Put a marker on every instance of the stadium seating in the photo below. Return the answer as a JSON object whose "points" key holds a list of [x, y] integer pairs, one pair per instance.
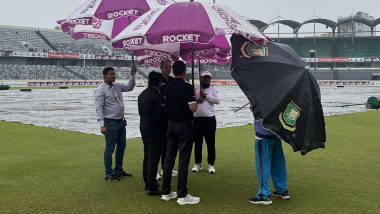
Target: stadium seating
{"points": [[94, 72], [346, 47], [358, 47], [33, 72], [53, 72], [322, 46], [342, 74], [20, 39], [27, 39], [44, 40]]}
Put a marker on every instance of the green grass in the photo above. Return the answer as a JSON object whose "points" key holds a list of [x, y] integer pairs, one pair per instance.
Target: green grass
{"points": [[49, 171]]}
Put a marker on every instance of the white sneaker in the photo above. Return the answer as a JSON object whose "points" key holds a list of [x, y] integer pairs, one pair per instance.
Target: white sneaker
{"points": [[158, 177], [169, 197], [197, 168], [211, 169], [188, 200], [174, 173]]}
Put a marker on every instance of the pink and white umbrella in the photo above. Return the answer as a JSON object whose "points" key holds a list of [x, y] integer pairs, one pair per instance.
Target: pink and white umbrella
{"points": [[102, 29], [187, 22], [219, 45], [214, 60], [106, 18], [155, 61]]}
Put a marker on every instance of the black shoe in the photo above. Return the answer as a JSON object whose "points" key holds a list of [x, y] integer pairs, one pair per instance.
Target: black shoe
{"points": [[283, 196], [112, 178], [260, 200], [156, 192], [123, 174], [146, 187]]}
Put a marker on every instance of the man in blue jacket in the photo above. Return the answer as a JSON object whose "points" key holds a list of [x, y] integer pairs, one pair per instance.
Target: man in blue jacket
{"points": [[270, 161]]}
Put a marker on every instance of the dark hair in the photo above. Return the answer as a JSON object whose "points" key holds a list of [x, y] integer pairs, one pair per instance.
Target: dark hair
{"points": [[154, 79], [179, 68], [106, 70], [163, 62]]}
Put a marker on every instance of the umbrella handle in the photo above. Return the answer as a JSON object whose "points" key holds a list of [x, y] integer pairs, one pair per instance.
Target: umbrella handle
{"points": [[133, 59], [199, 71], [241, 107], [133, 56], [192, 64]]}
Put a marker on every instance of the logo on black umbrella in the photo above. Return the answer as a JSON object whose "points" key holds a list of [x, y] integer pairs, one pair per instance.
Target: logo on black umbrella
{"points": [[289, 117], [249, 50]]}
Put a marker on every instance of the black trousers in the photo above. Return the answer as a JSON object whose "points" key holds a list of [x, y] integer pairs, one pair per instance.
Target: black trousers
{"points": [[205, 127], [180, 139], [152, 153], [164, 145]]}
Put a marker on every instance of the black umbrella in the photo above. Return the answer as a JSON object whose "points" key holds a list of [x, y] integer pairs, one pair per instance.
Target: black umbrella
{"points": [[282, 92]]}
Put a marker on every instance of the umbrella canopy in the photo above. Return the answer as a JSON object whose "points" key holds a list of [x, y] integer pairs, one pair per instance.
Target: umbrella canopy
{"points": [[101, 29], [217, 49], [187, 22], [215, 59], [87, 20], [282, 92]]}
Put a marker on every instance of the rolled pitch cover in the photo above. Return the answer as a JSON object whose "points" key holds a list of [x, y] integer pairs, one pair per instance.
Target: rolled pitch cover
{"points": [[4, 87], [26, 89], [373, 103]]}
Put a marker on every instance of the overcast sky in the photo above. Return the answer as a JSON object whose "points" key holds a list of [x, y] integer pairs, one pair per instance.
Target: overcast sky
{"points": [[44, 13]]}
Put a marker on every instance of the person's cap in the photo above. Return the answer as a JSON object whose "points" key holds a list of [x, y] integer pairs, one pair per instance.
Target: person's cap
{"points": [[206, 73]]}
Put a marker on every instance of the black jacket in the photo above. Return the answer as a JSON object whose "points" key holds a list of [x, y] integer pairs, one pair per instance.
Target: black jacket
{"points": [[151, 104]]}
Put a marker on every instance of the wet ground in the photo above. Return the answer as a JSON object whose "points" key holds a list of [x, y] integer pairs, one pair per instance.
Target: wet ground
{"points": [[74, 110]]}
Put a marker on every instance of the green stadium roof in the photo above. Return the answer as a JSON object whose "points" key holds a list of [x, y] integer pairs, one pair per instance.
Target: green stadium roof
{"points": [[329, 23], [259, 24], [326, 22]]}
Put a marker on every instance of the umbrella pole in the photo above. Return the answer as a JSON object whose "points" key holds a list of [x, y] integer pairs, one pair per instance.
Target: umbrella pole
{"points": [[192, 64], [133, 59], [133, 56], [199, 73], [242, 107]]}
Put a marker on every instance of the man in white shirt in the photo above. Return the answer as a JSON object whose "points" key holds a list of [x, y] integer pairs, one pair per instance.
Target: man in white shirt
{"points": [[205, 123]]}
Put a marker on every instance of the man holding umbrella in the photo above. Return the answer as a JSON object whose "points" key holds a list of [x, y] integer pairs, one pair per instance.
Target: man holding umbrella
{"points": [[110, 116], [270, 162], [205, 122], [286, 103]]}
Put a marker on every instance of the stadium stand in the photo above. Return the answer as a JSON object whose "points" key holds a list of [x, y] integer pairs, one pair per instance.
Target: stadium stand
{"points": [[302, 46], [94, 72], [358, 47], [21, 39], [33, 40], [33, 72], [64, 43], [52, 72], [343, 74], [26, 40]]}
